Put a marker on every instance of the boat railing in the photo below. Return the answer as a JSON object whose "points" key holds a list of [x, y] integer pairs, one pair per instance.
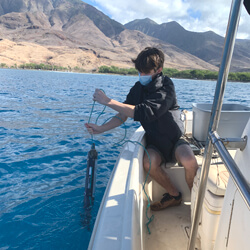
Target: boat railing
{"points": [[234, 171], [233, 23]]}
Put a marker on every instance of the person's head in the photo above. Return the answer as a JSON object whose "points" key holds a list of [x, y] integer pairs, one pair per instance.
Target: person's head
{"points": [[149, 60]]}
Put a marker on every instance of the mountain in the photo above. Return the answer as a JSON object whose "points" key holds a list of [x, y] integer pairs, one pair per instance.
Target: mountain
{"points": [[207, 46], [60, 12], [71, 33]]}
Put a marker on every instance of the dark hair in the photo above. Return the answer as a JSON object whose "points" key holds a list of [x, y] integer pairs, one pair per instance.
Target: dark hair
{"points": [[148, 59]]}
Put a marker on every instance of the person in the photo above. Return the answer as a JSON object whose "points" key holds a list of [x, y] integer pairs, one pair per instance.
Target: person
{"points": [[150, 101]]}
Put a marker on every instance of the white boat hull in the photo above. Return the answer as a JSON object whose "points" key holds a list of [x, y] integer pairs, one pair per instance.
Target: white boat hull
{"points": [[121, 221]]}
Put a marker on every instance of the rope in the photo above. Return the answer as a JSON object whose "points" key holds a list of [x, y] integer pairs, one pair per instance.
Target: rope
{"points": [[91, 112], [121, 143]]}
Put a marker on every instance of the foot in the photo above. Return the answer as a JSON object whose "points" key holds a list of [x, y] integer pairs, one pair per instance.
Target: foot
{"points": [[167, 201]]}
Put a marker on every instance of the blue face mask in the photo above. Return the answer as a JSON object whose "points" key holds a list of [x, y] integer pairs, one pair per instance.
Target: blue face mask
{"points": [[145, 80]]}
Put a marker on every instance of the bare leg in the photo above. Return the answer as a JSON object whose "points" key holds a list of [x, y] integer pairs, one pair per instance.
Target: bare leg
{"points": [[185, 156], [157, 173]]}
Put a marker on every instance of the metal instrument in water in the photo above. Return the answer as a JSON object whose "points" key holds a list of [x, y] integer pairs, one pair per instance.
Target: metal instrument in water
{"points": [[90, 180]]}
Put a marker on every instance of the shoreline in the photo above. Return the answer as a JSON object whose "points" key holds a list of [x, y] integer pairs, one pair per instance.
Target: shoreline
{"points": [[82, 71]]}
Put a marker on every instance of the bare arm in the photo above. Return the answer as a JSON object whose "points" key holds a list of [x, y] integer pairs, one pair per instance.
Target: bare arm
{"points": [[113, 123], [124, 109]]}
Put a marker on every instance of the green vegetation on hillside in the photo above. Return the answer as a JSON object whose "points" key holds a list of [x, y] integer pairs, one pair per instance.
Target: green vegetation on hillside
{"points": [[43, 67], [206, 75], [116, 70], [174, 73], [185, 74]]}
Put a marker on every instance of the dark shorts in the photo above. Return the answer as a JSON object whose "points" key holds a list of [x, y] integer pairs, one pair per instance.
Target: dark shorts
{"points": [[181, 141]]}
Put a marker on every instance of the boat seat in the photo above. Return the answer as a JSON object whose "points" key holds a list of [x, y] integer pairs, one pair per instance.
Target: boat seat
{"points": [[170, 165], [217, 179], [218, 174]]}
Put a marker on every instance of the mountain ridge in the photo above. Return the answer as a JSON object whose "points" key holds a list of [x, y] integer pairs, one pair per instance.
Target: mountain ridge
{"points": [[72, 33], [207, 45]]}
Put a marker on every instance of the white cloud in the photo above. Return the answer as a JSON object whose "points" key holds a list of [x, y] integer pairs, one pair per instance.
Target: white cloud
{"points": [[193, 15]]}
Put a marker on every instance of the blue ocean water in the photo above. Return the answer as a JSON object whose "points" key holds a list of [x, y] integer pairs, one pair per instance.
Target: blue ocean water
{"points": [[44, 146]]}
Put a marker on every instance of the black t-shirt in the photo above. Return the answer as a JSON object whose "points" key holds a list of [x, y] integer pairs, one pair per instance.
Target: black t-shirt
{"points": [[152, 104]]}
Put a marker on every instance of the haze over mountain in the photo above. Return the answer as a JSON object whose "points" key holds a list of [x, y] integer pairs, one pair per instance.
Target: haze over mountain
{"points": [[71, 33]]}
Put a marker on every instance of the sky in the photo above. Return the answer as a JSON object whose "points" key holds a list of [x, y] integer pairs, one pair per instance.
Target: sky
{"points": [[193, 15]]}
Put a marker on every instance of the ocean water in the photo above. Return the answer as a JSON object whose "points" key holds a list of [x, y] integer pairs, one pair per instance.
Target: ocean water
{"points": [[44, 146]]}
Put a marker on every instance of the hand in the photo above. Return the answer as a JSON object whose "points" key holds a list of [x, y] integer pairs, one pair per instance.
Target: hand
{"points": [[93, 128], [100, 97]]}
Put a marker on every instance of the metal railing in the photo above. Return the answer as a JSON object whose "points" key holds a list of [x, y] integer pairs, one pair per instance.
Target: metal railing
{"points": [[233, 23], [238, 179]]}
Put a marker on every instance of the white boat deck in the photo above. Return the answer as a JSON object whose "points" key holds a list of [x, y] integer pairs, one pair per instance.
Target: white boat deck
{"points": [[170, 228]]}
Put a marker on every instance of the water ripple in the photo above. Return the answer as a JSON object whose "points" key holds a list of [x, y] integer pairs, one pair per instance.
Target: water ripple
{"points": [[44, 147]]}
